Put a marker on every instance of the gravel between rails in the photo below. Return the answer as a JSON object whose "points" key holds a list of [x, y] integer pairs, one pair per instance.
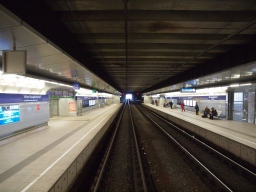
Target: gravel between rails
{"points": [[169, 171]]}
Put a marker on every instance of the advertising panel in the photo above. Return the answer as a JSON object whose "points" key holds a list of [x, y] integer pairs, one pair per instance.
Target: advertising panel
{"points": [[72, 107], [9, 114]]}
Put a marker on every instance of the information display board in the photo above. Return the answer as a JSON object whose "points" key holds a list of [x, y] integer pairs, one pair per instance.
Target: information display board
{"points": [[9, 114]]}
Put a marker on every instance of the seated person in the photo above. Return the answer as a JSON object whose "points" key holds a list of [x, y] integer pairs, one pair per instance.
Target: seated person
{"points": [[213, 112], [206, 111]]}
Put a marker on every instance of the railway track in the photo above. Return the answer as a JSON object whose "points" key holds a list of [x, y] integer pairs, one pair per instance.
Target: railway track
{"points": [[147, 153], [218, 171], [122, 168]]}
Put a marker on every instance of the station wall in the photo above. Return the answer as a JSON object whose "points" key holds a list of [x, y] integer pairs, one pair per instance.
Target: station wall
{"points": [[31, 114]]}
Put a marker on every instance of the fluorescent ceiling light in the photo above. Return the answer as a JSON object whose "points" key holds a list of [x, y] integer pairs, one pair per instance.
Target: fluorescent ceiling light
{"points": [[236, 76], [245, 84], [62, 84], [54, 83], [46, 81], [234, 85]]}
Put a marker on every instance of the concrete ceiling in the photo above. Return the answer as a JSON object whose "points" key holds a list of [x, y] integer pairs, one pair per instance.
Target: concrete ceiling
{"points": [[139, 46]]}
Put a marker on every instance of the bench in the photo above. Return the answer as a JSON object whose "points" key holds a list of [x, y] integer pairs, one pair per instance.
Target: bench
{"points": [[218, 114]]}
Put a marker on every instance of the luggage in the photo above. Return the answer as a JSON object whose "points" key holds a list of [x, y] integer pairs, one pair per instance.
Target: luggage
{"points": [[203, 116]]}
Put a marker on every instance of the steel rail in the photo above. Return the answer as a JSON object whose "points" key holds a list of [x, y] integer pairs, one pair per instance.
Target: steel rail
{"points": [[144, 184], [252, 174], [221, 184], [102, 171]]}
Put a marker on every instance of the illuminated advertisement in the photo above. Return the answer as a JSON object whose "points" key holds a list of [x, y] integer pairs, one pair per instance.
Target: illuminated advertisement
{"points": [[9, 114], [72, 107]]}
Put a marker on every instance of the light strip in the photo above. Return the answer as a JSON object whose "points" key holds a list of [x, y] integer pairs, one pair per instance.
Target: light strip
{"points": [[234, 85], [54, 83], [245, 84]]}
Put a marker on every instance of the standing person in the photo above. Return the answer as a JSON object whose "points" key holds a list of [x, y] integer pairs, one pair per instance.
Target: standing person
{"points": [[171, 104], [197, 109], [182, 106]]}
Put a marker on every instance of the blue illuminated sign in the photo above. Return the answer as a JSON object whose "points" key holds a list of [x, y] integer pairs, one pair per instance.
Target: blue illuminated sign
{"points": [[20, 98], [215, 97], [76, 86], [187, 90], [9, 114]]}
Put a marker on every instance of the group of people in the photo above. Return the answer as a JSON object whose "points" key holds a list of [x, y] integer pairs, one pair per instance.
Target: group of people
{"points": [[154, 102], [211, 112], [183, 109], [170, 104], [206, 112]]}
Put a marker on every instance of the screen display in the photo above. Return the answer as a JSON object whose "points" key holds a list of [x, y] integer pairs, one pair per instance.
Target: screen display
{"points": [[87, 103], [91, 102], [9, 114]]}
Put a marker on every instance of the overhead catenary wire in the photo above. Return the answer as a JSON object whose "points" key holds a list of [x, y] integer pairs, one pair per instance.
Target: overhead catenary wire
{"points": [[126, 42]]}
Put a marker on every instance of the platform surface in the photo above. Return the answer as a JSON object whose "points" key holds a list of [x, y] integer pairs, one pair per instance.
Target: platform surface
{"points": [[34, 160]]}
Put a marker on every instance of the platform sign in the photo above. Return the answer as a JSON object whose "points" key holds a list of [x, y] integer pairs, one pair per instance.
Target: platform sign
{"points": [[72, 107], [22, 98], [9, 114]]}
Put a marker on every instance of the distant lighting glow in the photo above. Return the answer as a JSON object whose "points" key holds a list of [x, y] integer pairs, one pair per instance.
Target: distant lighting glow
{"points": [[128, 96], [156, 95]]}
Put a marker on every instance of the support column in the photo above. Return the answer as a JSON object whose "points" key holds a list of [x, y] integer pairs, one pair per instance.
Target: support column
{"points": [[229, 104]]}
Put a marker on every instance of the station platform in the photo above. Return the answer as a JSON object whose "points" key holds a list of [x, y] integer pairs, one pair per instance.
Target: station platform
{"points": [[239, 138], [49, 158]]}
